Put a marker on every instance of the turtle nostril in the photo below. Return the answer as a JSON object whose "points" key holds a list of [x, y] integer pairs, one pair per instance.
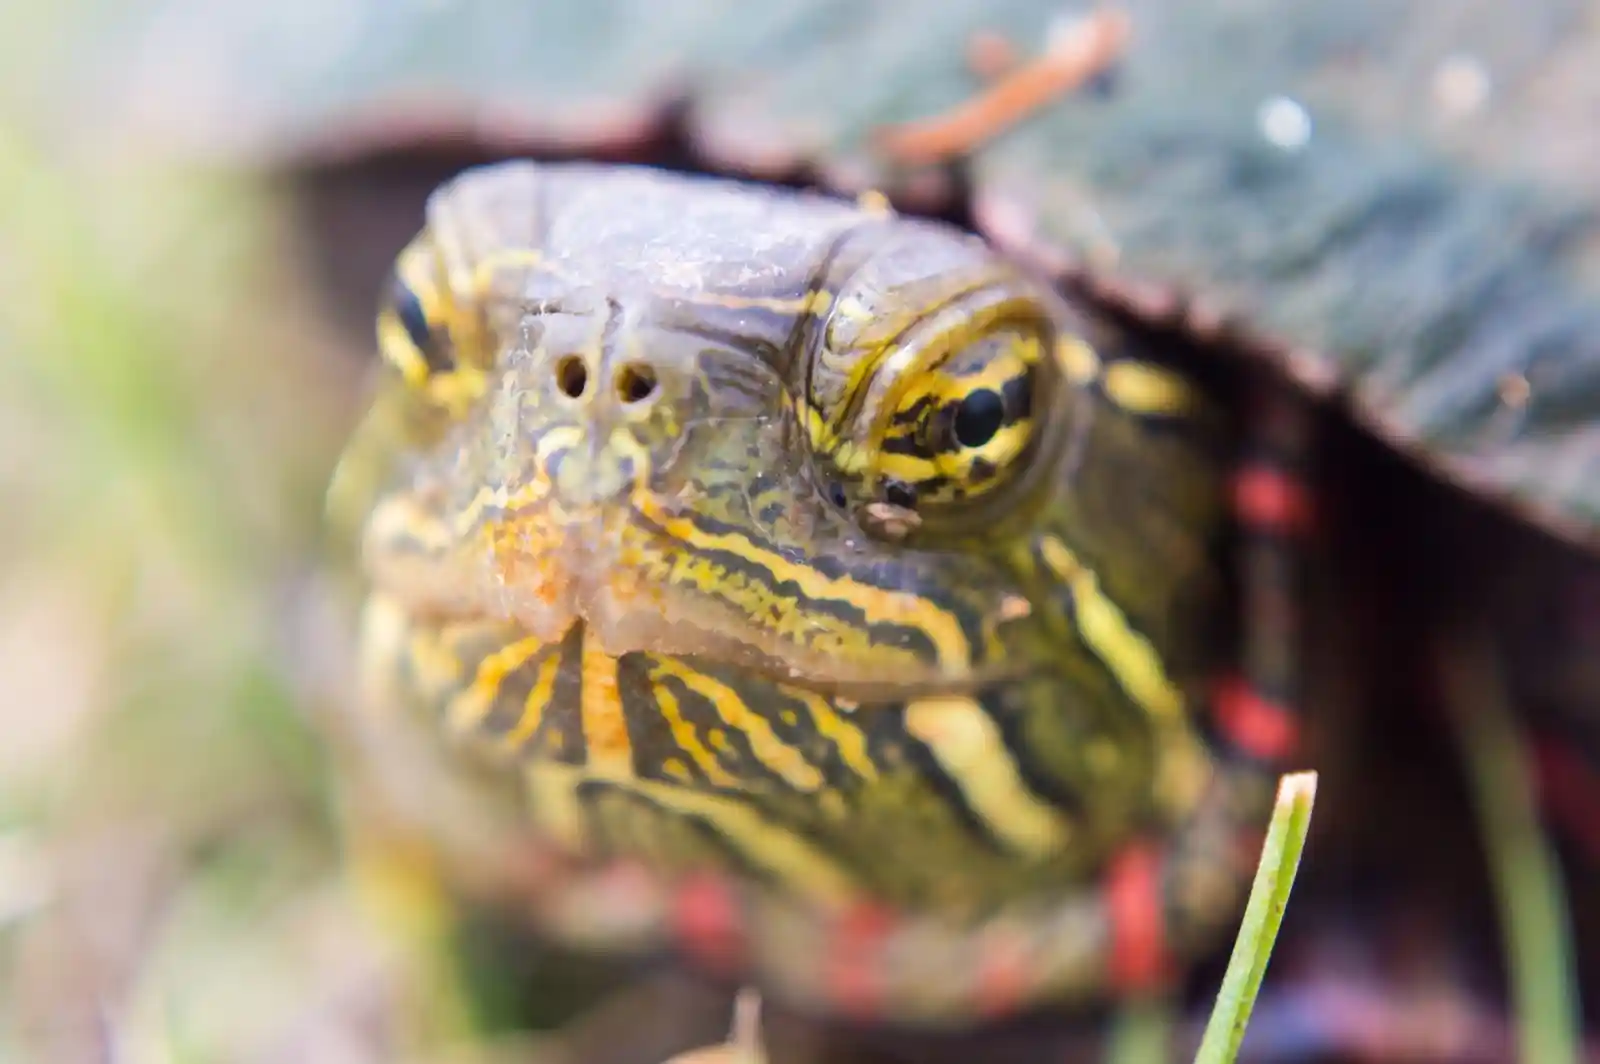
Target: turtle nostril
{"points": [[635, 381], [572, 376]]}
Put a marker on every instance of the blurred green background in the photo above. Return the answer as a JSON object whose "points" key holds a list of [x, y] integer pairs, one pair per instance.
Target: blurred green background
{"points": [[169, 414]]}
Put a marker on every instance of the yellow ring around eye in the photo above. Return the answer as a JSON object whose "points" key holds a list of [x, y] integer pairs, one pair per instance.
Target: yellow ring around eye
{"points": [[927, 453], [394, 343], [1003, 448], [415, 292]]}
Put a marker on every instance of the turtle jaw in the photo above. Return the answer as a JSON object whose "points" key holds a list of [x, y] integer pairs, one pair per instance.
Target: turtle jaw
{"points": [[652, 573], [675, 553]]}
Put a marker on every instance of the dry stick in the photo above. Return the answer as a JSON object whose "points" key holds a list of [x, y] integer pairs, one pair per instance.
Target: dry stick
{"points": [[1077, 56], [1527, 879]]}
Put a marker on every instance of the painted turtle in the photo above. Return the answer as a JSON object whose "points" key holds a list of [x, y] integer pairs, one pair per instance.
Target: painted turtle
{"points": [[1384, 207]]}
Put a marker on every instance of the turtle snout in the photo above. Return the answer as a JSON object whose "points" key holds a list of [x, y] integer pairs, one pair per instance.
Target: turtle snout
{"points": [[634, 385]]}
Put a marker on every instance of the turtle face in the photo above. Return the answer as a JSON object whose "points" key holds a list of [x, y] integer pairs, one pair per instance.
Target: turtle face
{"points": [[824, 532], [784, 483]]}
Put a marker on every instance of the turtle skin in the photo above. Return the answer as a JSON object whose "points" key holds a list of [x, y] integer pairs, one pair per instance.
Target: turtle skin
{"points": [[850, 606]]}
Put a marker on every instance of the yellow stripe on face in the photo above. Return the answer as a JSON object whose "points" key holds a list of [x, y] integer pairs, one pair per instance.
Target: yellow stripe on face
{"points": [[605, 729], [468, 709], [533, 706], [396, 345], [845, 736], [949, 384], [939, 625], [778, 756], [1137, 667], [1010, 441], [683, 734], [417, 270], [1078, 361], [458, 389], [784, 856], [1129, 655], [966, 742], [1145, 389]]}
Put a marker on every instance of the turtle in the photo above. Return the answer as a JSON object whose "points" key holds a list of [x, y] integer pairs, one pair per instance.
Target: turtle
{"points": [[1378, 217]]}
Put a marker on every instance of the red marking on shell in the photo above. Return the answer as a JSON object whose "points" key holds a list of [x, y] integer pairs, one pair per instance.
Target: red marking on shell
{"points": [[1260, 727], [1139, 961], [855, 958], [1270, 500], [707, 916]]}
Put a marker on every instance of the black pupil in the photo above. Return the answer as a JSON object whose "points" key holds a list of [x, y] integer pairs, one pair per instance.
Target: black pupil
{"points": [[979, 417]]}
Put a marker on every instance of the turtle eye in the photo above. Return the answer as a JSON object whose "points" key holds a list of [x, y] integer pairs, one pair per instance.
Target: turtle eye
{"points": [[963, 426], [412, 333]]}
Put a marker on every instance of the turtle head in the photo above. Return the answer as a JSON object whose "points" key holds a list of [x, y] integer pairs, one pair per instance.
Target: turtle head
{"points": [[829, 476]]}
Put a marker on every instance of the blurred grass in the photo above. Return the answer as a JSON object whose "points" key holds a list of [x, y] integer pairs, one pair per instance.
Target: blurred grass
{"points": [[1534, 910], [169, 885]]}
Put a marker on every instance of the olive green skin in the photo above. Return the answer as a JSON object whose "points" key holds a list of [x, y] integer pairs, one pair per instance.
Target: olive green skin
{"points": [[938, 720]]}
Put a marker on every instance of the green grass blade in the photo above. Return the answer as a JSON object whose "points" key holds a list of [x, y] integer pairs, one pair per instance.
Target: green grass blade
{"points": [[1527, 880], [1269, 896], [1143, 1032]]}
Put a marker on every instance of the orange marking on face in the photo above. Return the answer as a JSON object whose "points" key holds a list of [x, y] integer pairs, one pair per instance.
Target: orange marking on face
{"points": [[522, 554], [605, 731], [1260, 727]]}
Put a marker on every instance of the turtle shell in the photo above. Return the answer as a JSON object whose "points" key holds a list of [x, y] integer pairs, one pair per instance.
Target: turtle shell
{"points": [[1392, 199]]}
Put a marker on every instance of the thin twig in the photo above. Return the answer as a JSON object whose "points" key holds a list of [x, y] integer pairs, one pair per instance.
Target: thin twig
{"points": [[1076, 57]]}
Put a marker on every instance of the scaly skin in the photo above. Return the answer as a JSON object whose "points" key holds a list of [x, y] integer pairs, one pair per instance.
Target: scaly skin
{"points": [[828, 568]]}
